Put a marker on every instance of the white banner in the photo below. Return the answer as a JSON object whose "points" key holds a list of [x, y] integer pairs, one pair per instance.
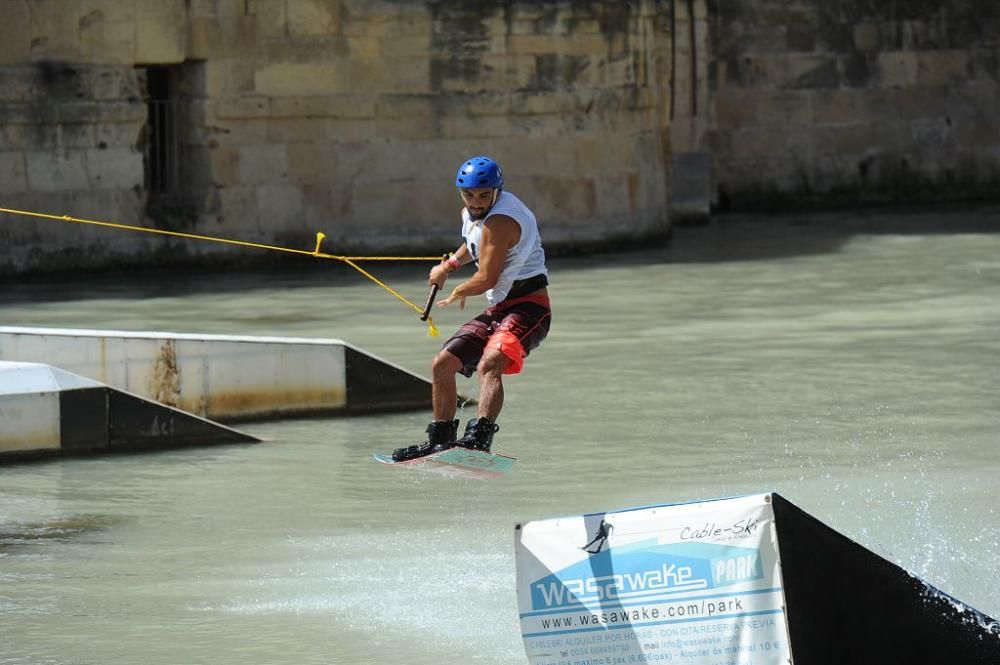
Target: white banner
{"points": [[696, 583]]}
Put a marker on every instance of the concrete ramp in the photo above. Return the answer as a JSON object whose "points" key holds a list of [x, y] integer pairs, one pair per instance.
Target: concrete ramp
{"points": [[224, 377], [846, 604], [46, 411], [751, 580]]}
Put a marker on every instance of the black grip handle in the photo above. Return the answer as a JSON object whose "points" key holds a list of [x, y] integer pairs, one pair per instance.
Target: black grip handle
{"points": [[430, 302], [430, 297]]}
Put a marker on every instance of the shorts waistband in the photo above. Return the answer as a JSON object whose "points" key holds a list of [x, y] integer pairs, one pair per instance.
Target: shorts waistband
{"points": [[537, 299]]}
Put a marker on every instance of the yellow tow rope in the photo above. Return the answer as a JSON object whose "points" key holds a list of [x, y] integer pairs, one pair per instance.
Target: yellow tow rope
{"points": [[349, 260]]}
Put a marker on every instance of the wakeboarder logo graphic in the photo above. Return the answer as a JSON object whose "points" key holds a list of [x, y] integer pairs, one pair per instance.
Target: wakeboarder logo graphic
{"points": [[600, 538], [647, 571]]}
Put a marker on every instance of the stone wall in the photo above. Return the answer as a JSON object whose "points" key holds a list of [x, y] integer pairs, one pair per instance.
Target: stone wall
{"points": [[350, 117], [854, 101], [343, 116]]}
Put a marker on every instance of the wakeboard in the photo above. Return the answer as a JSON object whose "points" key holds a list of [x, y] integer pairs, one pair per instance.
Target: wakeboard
{"points": [[457, 462]]}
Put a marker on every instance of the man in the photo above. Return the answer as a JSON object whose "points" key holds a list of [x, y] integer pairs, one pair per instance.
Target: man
{"points": [[501, 237]]}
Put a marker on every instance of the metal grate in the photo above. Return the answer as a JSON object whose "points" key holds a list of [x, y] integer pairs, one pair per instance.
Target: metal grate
{"points": [[161, 153]]}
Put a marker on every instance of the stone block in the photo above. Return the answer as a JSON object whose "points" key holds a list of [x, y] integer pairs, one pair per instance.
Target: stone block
{"points": [[907, 103], [223, 131], [805, 71], [229, 77], [72, 136], [241, 108], [571, 201], [617, 196], [867, 36], [113, 11], [57, 171], [394, 162], [836, 107], [224, 166], [984, 64], [324, 106], [312, 17], [327, 49], [311, 163], [483, 103], [15, 32], [18, 84], [533, 102], [15, 138], [756, 142], [477, 127], [735, 108], [574, 44], [407, 106], [13, 175], [106, 41], [371, 203], [237, 217], [414, 46], [284, 79], [933, 134], [898, 69], [410, 75], [199, 8], [280, 208], [942, 67], [114, 168], [55, 30], [785, 108], [561, 72], [110, 83], [856, 139], [265, 163], [407, 128], [271, 18], [382, 19], [160, 32], [222, 36], [292, 130], [464, 73]]}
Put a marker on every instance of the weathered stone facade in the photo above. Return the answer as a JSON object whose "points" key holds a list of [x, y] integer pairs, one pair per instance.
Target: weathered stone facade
{"points": [[854, 101], [287, 117], [342, 116]]}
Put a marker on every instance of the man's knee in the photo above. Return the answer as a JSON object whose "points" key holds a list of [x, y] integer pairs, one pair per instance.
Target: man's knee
{"points": [[493, 362], [446, 362]]}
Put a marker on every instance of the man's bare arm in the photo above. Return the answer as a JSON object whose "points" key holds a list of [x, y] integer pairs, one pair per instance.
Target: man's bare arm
{"points": [[500, 233]]}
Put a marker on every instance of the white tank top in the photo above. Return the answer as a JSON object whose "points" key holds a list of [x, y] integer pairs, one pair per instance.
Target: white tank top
{"points": [[525, 259]]}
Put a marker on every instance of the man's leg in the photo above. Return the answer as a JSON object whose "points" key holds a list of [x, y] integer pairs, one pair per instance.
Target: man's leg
{"points": [[479, 431], [490, 370], [444, 391]]}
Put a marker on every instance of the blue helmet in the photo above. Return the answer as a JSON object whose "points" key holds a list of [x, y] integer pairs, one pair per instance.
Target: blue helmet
{"points": [[479, 172]]}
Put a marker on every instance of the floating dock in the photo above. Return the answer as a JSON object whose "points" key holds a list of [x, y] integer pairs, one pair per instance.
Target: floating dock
{"points": [[46, 411], [227, 378]]}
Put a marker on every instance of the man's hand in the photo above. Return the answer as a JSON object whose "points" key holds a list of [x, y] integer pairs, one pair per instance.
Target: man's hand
{"points": [[439, 275], [452, 298]]}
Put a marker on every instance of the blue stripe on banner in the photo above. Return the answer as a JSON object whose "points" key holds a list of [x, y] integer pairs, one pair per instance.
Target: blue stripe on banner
{"points": [[645, 601], [651, 623]]}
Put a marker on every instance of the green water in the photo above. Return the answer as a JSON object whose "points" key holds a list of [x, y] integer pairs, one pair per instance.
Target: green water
{"points": [[849, 362]]}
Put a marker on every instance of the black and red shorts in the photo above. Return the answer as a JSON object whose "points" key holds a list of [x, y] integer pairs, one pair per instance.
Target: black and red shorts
{"points": [[514, 327]]}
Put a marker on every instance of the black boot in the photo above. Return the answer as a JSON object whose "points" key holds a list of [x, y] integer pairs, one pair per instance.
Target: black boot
{"points": [[441, 435], [478, 434]]}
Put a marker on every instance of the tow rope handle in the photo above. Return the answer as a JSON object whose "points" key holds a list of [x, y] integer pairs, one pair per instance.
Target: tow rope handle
{"points": [[430, 297]]}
